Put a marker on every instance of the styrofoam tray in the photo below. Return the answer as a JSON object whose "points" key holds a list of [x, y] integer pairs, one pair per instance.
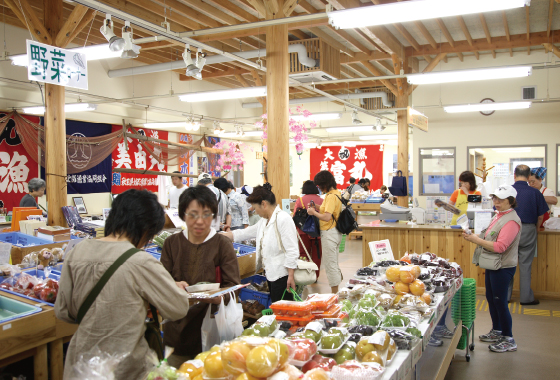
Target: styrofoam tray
{"points": [[333, 350]]}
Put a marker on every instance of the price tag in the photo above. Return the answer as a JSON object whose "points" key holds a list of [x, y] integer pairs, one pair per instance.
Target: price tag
{"points": [[377, 339], [173, 215], [314, 326], [267, 320], [5, 252], [381, 250]]}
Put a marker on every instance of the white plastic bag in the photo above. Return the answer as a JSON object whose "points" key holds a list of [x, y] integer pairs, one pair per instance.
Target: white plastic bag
{"points": [[552, 224], [209, 331], [229, 319]]}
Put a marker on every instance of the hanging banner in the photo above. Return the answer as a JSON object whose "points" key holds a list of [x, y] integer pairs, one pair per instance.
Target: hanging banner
{"points": [[133, 156], [213, 158], [51, 64], [186, 163], [96, 179], [16, 166], [362, 161]]}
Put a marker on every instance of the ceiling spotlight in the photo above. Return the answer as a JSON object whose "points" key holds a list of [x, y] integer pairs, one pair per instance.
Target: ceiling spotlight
{"points": [[130, 50], [217, 129], [379, 127], [192, 69], [192, 125], [200, 59], [355, 119], [241, 133], [319, 142], [115, 43]]}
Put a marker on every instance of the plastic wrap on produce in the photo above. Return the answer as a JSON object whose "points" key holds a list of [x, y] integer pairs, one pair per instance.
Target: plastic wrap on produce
{"points": [[96, 365], [353, 370]]}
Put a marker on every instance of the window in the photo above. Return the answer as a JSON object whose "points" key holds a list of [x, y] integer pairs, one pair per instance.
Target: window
{"points": [[437, 171], [500, 162]]}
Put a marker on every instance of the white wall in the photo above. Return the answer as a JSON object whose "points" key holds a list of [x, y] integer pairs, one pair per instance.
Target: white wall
{"points": [[538, 125]]}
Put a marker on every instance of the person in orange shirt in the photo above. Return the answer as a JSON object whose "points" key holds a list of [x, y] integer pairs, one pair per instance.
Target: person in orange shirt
{"points": [[459, 198]]}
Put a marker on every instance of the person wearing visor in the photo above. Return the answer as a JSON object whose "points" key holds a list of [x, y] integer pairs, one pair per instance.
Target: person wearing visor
{"points": [[500, 238], [536, 181]]}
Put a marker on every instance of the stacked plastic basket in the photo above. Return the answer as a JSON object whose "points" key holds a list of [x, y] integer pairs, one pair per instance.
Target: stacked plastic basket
{"points": [[463, 308]]}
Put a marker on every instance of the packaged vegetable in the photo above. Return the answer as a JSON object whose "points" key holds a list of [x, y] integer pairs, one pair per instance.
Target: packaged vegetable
{"points": [[292, 308], [322, 302], [353, 370]]}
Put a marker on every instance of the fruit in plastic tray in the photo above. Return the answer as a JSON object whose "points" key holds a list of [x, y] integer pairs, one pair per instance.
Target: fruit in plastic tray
{"points": [[380, 340], [386, 300], [285, 325], [405, 259], [192, 368], [331, 341], [363, 348], [366, 271], [346, 352], [395, 320], [262, 361], [393, 273], [213, 366], [322, 302], [409, 274], [392, 349], [386, 263], [373, 357], [417, 288], [401, 288], [355, 338], [202, 356], [319, 361], [292, 372], [292, 308], [338, 331], [346, 305], [353, 370], [316, 374], [361, 329], [303, 349], [414, 331], [234, 356], [365, 303], [367, 317], [426, 297]]}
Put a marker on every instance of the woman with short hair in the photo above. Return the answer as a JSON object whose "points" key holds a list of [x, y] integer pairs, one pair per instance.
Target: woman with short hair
{"points": [[328, 213], [36, 188], [500, 238], [277, 245], [536, 181], [196, 255], [309, 192], [115, 321], [459, 198]]}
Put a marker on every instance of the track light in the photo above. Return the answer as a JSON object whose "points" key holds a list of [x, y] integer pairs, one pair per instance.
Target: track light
{"points": [[200, 59], [130, 50], [355, 119], [192, 69], [217, 129], [379, 127], [115, 43], [192, 125], [319, 143]]}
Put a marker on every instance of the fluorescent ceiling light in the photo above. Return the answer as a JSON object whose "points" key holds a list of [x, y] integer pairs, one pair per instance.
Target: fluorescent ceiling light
{"points": [[171, 124], [361, 128], [247, 92], [469, 75], [415, 10], [245, 134], [512, 150], [378, 137], [71, 107], [318, 116], [487, 107], [93, 53]]}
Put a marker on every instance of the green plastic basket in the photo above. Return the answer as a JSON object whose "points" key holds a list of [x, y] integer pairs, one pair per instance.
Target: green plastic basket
{"points": [[267, 312]]}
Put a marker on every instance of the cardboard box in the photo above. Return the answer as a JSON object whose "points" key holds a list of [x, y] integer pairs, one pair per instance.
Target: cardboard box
{"points": [[18, 253], [247, 264], [405, 370], [29, 227], [416, 353]]}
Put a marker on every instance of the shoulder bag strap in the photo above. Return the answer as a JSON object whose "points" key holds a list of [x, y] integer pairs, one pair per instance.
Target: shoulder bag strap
{"points": [[278, 238], [301, 201], [304, 248], [102, 281]]}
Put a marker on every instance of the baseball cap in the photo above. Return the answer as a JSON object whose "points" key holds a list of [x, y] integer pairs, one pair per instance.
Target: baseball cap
{"points": [[204, 176], [505, 191]]}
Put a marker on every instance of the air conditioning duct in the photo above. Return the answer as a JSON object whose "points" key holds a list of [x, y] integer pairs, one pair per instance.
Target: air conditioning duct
{"points": [[364, 95]]}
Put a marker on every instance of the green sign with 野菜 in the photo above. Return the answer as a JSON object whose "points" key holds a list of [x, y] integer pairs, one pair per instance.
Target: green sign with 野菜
{"points": [[50, 64]]}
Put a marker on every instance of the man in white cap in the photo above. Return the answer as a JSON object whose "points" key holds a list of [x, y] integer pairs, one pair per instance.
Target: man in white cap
{"points": [[222, 221]]}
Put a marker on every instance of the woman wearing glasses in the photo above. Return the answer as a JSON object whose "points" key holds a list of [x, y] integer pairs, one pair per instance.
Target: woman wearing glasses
{"points": [[193, 256]]}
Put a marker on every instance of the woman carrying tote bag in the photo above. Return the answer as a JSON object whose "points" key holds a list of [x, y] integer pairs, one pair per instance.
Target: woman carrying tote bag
{"points": [[497, 253]]}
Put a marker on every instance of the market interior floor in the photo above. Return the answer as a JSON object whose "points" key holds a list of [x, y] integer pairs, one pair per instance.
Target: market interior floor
{"points": [[536, 330]]}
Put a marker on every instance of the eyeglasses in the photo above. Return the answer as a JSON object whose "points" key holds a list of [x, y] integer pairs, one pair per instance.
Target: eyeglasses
{"points": [[195, 217]]}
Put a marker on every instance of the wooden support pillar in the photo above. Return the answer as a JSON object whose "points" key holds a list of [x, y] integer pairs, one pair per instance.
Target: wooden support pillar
{"points": [[277, 64], [55, 127], [402, 158]]}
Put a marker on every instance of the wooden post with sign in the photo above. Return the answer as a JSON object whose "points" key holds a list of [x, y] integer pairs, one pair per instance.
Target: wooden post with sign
{"points": [[416, 119], [402, 150]]}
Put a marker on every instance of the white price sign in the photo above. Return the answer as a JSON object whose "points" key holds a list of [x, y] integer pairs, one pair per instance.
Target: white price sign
{"points": [[50, 64], [381, 250]]}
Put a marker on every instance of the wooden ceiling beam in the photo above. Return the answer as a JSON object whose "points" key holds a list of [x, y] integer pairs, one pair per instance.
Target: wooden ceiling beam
{"points": [[397, 70], [299, 34], [407, 36], [289, 7], [506, 27], [84, 23], [528, 28], [29, 18], [550, 11], [426, 33], [307, 7], [233, 9], [448, 37], [63, 37], [554, 49], [486, 32], [344, 34], [331, 41], [482, 44], [432, 65], [259, 7], [377, 72], [467, 34]]}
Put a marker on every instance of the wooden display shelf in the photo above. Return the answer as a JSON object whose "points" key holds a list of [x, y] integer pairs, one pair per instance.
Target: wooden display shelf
{"points": [[33, 336]]}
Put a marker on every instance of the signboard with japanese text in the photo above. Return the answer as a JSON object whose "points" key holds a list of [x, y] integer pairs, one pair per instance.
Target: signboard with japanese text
{"points": [[16, 166], [50, 64], [362, 161], [133, 156], [416, 119], [186, 164], [96, 179]]}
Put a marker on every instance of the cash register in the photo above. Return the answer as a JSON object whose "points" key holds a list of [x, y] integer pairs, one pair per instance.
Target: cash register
{"points": [[391, 212], [477, 204]]}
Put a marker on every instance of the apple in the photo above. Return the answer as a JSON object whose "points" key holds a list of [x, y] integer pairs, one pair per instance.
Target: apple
{"points": [[331, 341], [309, 366]]}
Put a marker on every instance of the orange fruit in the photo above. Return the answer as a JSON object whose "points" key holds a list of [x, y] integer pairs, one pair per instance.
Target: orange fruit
{"points": [[213, 365], [262, 361], [192, 368], [234, 357]]}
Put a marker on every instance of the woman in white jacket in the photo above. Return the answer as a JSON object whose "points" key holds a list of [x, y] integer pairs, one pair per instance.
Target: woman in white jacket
{"points": [[277, 244]]}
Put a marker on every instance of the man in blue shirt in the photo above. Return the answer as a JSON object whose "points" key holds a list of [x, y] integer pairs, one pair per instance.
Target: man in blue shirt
{"points": [[531, 208]]}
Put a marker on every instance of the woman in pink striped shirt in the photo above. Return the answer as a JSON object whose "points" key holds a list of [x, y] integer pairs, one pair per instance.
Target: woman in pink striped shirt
{"points": [[500, 238]]}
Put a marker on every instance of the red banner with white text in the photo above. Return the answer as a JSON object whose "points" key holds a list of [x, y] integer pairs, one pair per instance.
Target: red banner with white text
{"points": [[134, 156], [362, 161]]}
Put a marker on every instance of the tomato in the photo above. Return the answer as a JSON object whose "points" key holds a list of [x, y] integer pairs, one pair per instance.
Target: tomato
{"points": [[49, 294]]}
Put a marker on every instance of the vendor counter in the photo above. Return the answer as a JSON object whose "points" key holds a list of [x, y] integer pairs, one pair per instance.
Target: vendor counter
{"points": [[449, 243]]}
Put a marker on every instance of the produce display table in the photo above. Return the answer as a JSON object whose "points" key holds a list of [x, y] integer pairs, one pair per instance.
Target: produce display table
{"points": [[366, 207], [34, 335], [449, 243]]}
